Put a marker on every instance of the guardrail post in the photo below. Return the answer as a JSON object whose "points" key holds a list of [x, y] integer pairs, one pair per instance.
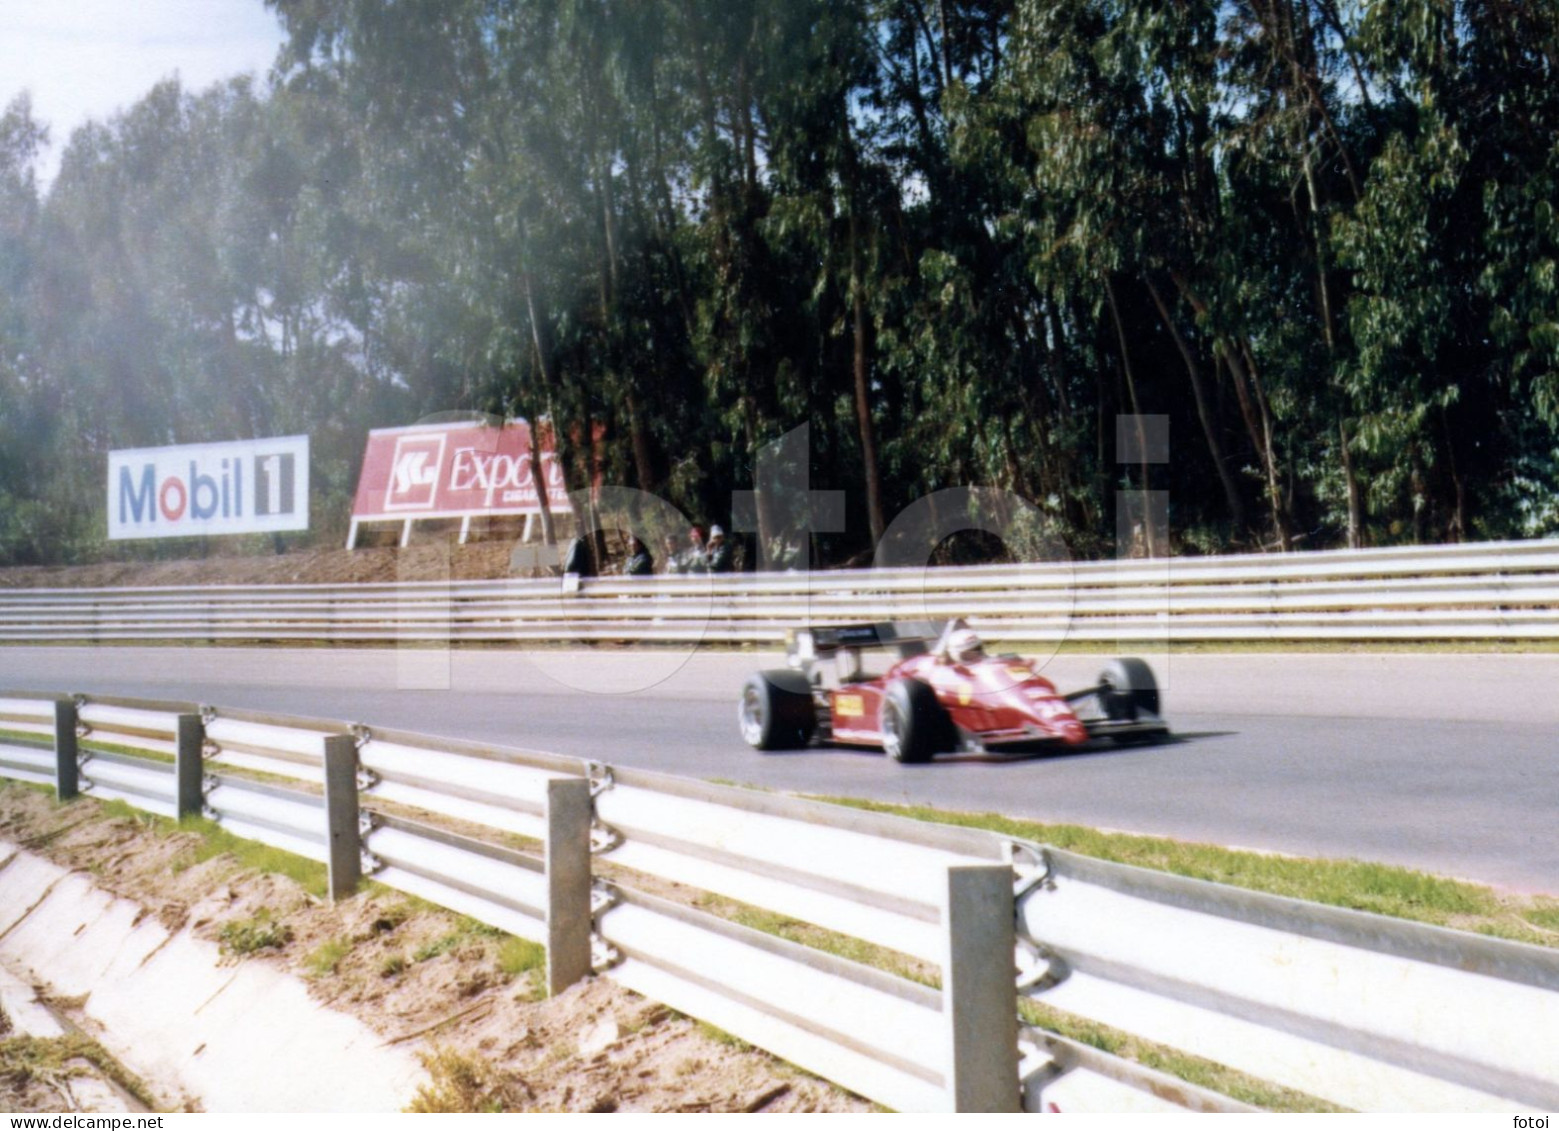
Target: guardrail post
{"points": [[341, 815], [568, 882], [67, 767], [189, 768], [978, 989]]}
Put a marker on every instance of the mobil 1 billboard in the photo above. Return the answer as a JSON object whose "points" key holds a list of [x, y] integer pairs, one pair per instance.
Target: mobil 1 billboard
{"points": [[244, 487]]}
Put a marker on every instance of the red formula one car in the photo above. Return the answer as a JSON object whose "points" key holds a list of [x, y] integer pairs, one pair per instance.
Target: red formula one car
{"points": [[942, 693]]}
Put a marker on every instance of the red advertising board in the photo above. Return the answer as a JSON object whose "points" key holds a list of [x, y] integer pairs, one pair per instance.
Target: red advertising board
{"points": [[455, 471]]}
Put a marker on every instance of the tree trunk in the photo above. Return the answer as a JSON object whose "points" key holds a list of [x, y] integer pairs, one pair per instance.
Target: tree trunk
{"points": [[1355, 496], [1204, 414], [1136, 409], [549, 534], [1253, 411], [863, 407]]}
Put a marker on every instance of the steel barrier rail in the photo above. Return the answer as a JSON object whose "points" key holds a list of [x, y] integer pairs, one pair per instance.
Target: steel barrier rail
{"points": [[879, 1036], [1508, 589], [281, 745], [24, 715], [503, 790], [1371, 1013], [149, 726], [1356, 1009], [494, 885], [794, 857], [1061, 1075], [282, 818], [1267, 597], [33, 764], [1480, 558], [137, 781]]}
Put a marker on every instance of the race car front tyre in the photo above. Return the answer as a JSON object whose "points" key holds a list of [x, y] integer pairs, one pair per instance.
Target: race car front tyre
{"points": [[776, 712], [1130, 689], [914, 726]]}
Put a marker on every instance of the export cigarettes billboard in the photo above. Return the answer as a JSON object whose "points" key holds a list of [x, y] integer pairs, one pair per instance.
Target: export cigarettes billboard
{"points": [[243, 487], [463, 471]]}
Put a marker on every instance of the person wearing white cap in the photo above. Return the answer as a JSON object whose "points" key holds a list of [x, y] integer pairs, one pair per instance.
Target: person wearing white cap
{"points": [[719, 553]]}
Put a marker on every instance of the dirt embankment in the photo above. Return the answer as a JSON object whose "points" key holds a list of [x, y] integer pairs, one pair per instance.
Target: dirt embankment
{"points": [[466, 998], [427, 562]]}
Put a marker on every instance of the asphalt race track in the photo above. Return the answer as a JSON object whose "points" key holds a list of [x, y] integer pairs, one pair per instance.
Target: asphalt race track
{"points": [[1441, 762]]}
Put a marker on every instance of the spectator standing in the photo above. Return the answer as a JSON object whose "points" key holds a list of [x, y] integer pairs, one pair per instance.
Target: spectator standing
{"points": [[719, 557], [672, 554], [639, 563], [697, 560]]}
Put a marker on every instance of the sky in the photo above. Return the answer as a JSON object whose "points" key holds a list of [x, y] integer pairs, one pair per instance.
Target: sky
{"points": [[84, 60]]}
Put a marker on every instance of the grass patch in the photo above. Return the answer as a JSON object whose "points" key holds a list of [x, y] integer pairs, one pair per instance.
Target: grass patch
{"points": [[467, 932], [462, 1083], [1282, 647], [1193, 1069], [96, 746], [48, 1061], [442, 945], [1544, 916], [818, 938], [393, 966], [324, 959], [216, 841], [720, 1037], [22, 738], [1382, 889], [211, 840], [517, 956], [261, 931]]}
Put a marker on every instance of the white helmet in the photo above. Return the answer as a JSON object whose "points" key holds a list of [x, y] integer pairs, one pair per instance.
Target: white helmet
{"points": [[965, 646]]}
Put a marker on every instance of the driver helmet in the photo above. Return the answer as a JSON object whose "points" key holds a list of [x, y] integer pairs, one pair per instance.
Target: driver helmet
{"points": [[965, 646]]}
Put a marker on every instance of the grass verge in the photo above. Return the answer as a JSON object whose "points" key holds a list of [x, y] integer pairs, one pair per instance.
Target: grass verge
{"points": [[1383, 889]]}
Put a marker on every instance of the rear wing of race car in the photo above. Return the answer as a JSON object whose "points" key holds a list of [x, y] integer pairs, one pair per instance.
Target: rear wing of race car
{"points": [[907, 638]]}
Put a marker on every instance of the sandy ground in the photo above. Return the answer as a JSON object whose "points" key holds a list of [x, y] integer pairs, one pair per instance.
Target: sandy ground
{"points": [[429, 561], [420, 977]]}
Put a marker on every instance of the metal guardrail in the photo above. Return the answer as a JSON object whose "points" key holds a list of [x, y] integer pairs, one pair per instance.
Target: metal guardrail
{"points": [[1354, 1009], [1493, 590]]}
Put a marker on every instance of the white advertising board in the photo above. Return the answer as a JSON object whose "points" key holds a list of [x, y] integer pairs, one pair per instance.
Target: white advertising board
{"points": [[243, 487]]}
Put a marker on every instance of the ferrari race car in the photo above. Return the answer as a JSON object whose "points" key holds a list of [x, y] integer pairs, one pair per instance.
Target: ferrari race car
{"points": [[940, 693]]}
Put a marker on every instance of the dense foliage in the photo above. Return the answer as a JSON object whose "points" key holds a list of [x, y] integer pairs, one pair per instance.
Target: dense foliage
{"points": [[956, 237]]}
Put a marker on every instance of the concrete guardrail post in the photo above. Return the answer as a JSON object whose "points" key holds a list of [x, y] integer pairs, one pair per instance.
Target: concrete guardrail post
{"points": [[189, 769], [341, 816], [67, 765], [979, 978], [569, 812]]}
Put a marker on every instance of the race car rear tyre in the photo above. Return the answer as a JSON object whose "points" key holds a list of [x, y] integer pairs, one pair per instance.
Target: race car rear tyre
{"points": [[1130, 689], [775, 711], [914, 726]]}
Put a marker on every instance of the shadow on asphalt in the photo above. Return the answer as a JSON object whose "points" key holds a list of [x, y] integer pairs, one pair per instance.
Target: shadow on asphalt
{"points": [[1030, 754], [1092, 749]]}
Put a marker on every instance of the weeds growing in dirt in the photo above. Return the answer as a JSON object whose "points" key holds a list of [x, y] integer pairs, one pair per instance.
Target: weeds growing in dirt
{"points": [[518, 956], [326, 957], [51, 1062], [261, 931], [462, 1083]]}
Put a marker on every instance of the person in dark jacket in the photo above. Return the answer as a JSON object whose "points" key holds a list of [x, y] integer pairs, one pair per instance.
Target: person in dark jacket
{"points": [[718, 557], [578, 560], [639, 563]]}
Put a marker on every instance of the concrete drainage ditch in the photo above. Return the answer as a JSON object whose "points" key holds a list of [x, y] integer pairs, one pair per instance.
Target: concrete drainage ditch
{"points": [[215, 1037]]}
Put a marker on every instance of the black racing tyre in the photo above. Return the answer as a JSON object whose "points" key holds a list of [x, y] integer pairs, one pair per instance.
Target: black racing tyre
{"points": [[775, 711], [914, 725], [1130, 689]]}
